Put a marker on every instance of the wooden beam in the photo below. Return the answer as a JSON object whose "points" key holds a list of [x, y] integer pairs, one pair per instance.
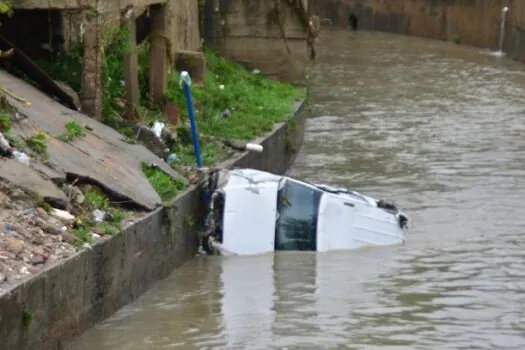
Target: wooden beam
{"points": [[131, 64], [158, 59]]}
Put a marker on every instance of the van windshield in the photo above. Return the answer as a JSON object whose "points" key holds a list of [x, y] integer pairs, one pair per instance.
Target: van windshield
{"points": [[297, 210]]}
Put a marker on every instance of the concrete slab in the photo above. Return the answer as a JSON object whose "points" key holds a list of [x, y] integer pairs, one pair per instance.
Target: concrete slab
{"points": [[101, 157], [23, 176]]}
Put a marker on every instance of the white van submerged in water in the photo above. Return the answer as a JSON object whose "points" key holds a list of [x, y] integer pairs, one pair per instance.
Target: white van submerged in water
{"points": [[255, 212]]}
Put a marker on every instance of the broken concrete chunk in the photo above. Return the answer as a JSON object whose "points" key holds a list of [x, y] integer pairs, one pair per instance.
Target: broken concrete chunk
{"points": [[75, 194], [20, 175], [47, 227]]}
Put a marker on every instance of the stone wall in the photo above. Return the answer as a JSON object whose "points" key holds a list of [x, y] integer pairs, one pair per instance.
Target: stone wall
{"points": [[185, 25], [242, 32], [53, 308], [470, 22]]}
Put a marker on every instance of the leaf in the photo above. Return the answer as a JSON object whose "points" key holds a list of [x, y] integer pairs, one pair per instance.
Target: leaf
{"points": [[5, 8]]}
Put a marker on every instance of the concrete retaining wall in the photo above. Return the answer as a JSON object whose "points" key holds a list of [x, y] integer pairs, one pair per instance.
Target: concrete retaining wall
{"points": [[56, 306], [470, 22], [244, 31]]}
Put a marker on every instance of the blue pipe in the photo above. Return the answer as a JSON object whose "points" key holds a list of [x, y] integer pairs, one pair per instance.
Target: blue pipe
{"points": [[194, 133]]}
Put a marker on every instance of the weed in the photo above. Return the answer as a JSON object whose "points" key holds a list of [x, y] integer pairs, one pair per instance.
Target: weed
{"points": [[14, 140], [27, 318], [82, 232], [456, 39], [210, 153], [190, 222], [6, 122], [38, 144], [66, 68], [73, 131], [164, 184], [291, 129], [95, 200], [40, 202], [116, 215], [108, 229]]}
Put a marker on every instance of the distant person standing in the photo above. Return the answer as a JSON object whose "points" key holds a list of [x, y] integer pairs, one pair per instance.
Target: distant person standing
{"points": [[353, 21]]}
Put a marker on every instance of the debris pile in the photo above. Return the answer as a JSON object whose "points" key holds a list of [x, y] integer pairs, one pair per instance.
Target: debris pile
{"points": [[30, 238], [34, 235]]}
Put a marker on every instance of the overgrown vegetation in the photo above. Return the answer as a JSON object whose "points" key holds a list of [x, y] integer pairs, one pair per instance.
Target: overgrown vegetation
{"points": [[27, 318], [255, 103], [234, 103], [5, 121], [164, 184], [96, 200]]}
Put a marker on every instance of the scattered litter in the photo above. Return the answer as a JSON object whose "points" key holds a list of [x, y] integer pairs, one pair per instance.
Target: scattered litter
{"points": [[221, 87], [4, 145], [254, 147], [22, 157], [99, 215], [95, 236], [226, 113], [256, 71], [172, 159], [10, 228], [156, 128], [62, 214], [86, 246]]}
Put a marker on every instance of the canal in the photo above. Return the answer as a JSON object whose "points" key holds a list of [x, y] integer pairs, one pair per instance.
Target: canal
{"points": [[437, 127]]}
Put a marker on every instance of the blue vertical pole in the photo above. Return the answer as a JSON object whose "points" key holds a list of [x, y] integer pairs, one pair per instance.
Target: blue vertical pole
{"points": [[186, 81]]}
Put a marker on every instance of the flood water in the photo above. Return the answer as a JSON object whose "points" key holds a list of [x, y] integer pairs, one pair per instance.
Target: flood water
{"points": [[437, 127]]}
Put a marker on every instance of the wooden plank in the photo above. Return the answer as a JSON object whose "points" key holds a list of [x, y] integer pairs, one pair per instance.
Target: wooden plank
{"points": [[158, 59]]}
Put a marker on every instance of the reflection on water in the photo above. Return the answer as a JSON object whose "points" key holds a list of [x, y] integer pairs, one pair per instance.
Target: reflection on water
{"points": [[438, 128]]}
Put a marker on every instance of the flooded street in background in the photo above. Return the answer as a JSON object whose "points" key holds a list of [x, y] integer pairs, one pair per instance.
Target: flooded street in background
{"points": [[438, 128]]}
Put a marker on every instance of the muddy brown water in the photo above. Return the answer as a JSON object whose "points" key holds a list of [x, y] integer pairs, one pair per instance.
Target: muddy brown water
{"points": [[437, 127]]}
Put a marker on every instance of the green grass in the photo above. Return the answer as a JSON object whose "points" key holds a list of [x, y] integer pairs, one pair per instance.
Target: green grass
{"points": [[82, 233], [6, 122], [38, 144], [95, 199], [73, 131], [164, 184], [255, 102]]}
